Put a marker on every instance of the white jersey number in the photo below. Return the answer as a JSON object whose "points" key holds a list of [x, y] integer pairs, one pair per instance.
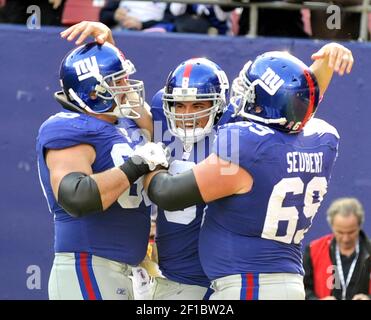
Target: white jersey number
{"points": [[133, 196], [276, 212], [187, 215], [256, 128]]}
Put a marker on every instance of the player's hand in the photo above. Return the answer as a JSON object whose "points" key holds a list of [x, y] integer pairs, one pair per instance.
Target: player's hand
{"points": [[153, 154], [55, 3], [360, 296], [132, 23], [84, 29], [328, 298], [120, 14], [340, 59]]}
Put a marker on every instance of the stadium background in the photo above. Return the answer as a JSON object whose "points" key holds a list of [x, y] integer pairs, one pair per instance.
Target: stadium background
{"points": [[29, 61]]}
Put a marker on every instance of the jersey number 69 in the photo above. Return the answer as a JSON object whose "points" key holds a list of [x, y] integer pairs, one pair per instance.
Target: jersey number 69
{"points": [[313, 196]]}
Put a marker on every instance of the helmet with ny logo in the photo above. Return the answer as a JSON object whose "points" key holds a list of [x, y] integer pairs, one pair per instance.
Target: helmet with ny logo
{"points": [[276, 89], [95, 78], [194, 80]]}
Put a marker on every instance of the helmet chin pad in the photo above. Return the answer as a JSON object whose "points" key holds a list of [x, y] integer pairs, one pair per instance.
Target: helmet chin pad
{"points": [[191, 136]]}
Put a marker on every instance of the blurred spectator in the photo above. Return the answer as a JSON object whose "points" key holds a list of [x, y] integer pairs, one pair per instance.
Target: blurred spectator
{"points": [[15, 11], [200, 18], [274, 23], [346, 252], [135, 15], [349, 22]]}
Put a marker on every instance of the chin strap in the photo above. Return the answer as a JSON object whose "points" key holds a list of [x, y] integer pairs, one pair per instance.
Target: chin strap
{"points": [[280, 121], [126, 112], [62, 99]]}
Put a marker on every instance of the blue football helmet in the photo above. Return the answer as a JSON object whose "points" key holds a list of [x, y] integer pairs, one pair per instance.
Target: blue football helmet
{"points": [[95, 78], [276, 89], [197, 79]]}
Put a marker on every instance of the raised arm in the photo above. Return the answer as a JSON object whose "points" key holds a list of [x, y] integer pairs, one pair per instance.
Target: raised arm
{"points": [[331, 57], [99, 31]]}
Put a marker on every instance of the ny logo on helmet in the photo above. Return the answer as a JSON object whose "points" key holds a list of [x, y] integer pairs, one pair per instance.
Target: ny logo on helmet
{"points": [[270, 81], [87, 68]]}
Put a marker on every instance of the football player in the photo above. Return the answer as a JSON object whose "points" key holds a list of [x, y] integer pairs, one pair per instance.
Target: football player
{"points": [[186, 113], [89, 170], [265, 178]]}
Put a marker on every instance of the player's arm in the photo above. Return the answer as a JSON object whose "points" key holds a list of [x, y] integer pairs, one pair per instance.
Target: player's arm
{"points": [[74, 185], [99, 31], [211, 179], [331, 57], [80, 192], [145, 121]]}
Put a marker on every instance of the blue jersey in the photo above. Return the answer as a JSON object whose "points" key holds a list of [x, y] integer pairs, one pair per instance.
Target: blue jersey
{"points": [[177, 231], [120, 233], [261, 231]]}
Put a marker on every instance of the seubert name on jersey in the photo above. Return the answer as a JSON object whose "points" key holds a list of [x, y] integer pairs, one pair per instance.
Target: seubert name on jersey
{"points": [[304, 162]]}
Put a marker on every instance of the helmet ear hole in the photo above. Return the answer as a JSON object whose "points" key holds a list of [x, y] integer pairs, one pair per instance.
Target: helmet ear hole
{"points": [[93, 95], [258, 109]]}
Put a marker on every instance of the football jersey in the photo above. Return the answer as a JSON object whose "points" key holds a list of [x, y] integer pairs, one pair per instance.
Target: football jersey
{"points": [[177, 231], [120, 233], [261, 231]]}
